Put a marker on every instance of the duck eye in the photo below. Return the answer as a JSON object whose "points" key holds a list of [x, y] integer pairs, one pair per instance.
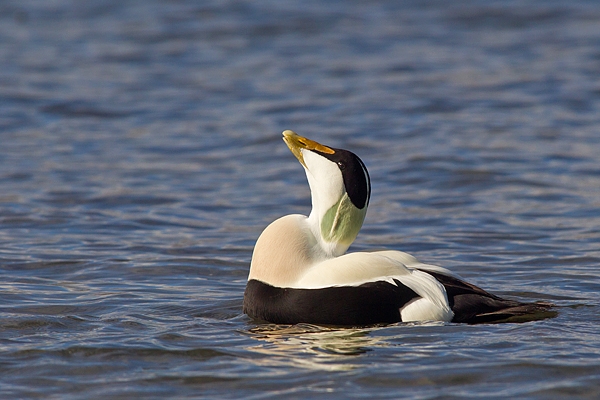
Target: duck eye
{"points": [[342, 165]]}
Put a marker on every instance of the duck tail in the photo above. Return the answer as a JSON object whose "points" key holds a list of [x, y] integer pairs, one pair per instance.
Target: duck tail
{"points": [[473, 305]]}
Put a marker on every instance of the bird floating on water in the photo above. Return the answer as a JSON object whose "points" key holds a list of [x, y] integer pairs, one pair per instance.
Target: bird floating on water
{"points": [[300, 271]]}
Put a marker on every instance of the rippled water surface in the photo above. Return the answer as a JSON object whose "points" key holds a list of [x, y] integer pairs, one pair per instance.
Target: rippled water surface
{"points": [[141, 157]]}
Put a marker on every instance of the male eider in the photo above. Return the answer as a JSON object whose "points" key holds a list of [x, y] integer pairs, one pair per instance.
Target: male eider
{"points": [[299, 272]]}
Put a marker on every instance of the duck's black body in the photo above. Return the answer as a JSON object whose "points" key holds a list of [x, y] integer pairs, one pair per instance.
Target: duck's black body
{"points": [[367, 304], [378, 302], [301, 273]]}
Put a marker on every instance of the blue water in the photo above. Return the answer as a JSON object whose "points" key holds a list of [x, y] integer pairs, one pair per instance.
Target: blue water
{"points": [[141, 157]]}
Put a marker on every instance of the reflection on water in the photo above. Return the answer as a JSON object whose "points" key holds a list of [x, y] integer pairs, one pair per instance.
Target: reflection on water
{"points": [[311, 346], [322, 348]]}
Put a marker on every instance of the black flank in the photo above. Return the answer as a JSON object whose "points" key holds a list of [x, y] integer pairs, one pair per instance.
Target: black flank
{"points": [[367, 304]]}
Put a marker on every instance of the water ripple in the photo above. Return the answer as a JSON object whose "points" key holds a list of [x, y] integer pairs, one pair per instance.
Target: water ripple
{"points": [[141, 158]]}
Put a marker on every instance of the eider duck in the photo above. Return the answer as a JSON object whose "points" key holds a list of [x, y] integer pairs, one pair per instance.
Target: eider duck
{"points": [[300, 273]]}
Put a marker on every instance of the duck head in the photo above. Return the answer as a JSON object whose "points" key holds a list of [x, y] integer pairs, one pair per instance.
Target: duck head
{"points": [[340, 190]]}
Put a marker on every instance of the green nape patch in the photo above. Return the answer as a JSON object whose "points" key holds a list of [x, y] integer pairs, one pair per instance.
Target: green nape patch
{"points": [[342, 222]]}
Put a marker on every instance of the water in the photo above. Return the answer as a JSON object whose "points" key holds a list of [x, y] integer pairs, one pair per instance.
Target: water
{"points": [[141, 157]]}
